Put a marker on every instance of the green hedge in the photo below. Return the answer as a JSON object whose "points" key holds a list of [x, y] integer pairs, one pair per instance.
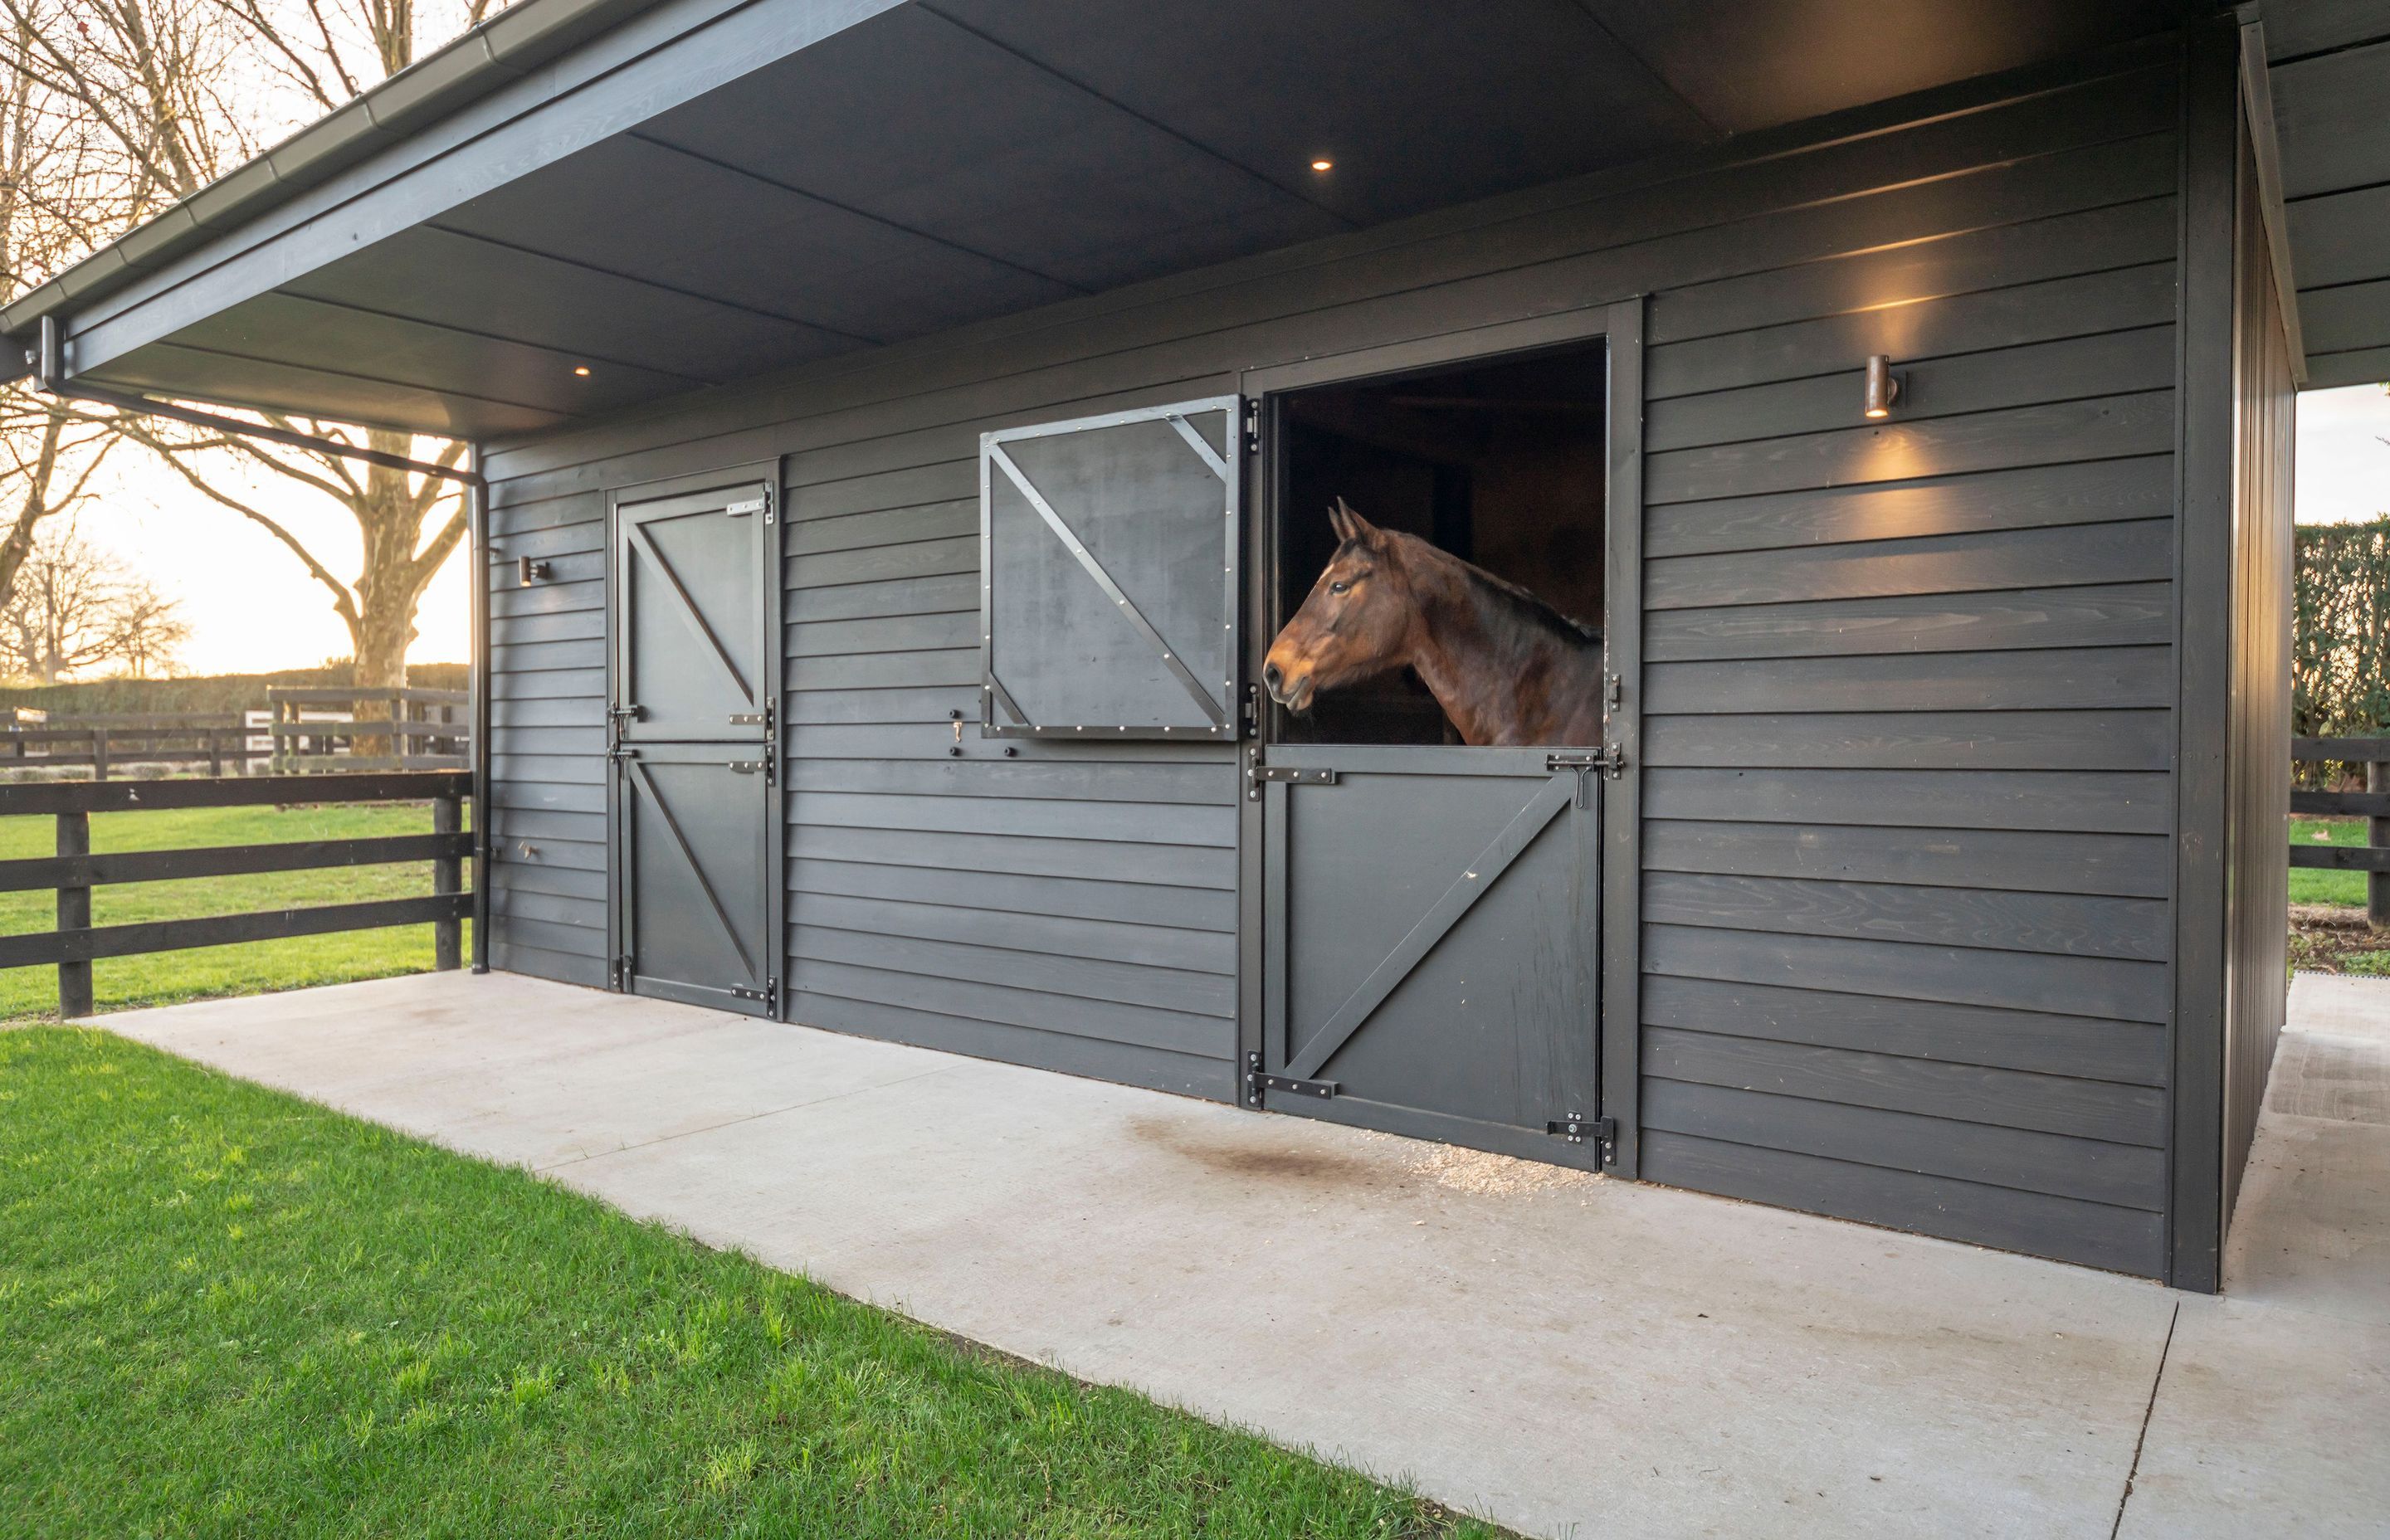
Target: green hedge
{"points": [[2340, 636], [218, 692]]}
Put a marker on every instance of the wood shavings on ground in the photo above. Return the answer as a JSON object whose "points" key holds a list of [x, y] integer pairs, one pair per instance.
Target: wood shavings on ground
{"points": [[1475, 1170]]}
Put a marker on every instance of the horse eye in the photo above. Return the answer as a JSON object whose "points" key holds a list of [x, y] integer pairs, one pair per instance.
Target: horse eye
{"points": [[1339, 586]]}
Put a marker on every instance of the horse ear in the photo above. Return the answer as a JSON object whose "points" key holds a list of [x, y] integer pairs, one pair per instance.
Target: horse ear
{"points": [[1349, 524]]}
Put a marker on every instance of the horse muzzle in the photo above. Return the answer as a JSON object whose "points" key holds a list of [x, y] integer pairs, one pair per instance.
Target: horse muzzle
{"points": [[1295, 694]]}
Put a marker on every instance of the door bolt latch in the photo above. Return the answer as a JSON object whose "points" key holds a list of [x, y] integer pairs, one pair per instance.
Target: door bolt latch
{"points": [[1611, 761], [1577, 1129]]}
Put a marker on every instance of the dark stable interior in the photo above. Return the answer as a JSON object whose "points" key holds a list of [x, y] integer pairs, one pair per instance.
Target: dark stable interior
{"points": [[1502, 464]]}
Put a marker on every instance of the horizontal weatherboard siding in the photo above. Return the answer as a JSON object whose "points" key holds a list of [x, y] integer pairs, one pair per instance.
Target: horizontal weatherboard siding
{"points": [[1907, 698], [547, 856]]}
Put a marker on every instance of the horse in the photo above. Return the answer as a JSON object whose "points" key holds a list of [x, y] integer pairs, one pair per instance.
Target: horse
{"points": [[1506, 667]]}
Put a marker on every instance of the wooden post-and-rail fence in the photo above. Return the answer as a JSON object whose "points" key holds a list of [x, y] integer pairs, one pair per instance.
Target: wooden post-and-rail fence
{"points": [[74, 871], [2372, 804]]}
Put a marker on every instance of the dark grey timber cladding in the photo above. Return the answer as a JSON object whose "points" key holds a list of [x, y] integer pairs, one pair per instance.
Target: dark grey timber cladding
{"points": [[1064, 904], [547, 737], [1907, 696], [1906, 687]]}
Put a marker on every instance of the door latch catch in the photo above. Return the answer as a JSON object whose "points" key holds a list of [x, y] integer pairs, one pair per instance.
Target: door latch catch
{"points": [[1611, 761]]}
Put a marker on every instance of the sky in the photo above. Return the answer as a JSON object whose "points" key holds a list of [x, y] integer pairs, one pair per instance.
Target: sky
{"points": [[253, 607], [2343, 454], [250, 605]]}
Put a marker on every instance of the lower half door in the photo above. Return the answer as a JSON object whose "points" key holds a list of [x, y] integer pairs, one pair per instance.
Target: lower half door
{"points": [[1432, 943], [696, 873]]}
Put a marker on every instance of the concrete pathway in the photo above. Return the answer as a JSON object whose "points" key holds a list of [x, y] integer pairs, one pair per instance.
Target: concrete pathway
{"points": [[1561, 1354]]}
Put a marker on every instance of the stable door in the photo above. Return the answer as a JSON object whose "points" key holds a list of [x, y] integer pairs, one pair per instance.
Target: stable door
{"points": [[1431, 942], [693, 748]]}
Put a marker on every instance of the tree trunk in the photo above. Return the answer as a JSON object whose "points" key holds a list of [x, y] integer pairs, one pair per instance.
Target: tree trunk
{"points": [[388, 589], [384, 632]]}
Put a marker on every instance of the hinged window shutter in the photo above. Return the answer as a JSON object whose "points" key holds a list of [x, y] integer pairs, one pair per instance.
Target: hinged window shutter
{"points": [[1108, 574]]}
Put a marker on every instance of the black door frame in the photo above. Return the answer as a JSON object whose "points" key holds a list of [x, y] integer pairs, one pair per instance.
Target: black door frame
{"points": [[1620, 325], [768, 475]]}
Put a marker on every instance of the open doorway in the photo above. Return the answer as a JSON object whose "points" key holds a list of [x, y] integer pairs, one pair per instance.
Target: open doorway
{"points": [[1500, 463]]}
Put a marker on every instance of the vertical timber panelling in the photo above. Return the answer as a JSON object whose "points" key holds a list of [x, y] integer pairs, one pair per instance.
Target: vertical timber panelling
{"points": [[1907, 689], [547, 737], [1907, 727], [2257, 835], [2208, 446]]}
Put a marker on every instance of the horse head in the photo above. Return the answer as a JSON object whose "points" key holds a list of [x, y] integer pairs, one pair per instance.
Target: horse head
{"points": [[1359, 619]]}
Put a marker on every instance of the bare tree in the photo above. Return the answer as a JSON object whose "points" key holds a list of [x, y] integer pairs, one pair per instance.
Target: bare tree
{"points": [[56, 188], [76, 606], [150, 631], [159, 83]]}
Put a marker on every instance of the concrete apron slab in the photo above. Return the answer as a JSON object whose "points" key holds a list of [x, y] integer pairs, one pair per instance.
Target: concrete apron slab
{"points": [[1553, 1351]]}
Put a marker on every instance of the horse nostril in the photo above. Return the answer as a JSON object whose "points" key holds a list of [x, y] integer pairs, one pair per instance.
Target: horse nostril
{"points": [[1272, 675]]}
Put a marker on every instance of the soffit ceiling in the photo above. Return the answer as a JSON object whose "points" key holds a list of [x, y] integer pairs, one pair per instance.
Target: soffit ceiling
{"points": [[2330, 79], [951, 161]]}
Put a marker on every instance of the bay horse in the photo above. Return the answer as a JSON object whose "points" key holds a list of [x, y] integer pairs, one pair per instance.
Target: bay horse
{"points": [[1506, 667]]}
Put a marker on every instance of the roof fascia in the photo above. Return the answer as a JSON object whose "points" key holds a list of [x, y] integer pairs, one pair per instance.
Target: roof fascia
{"points": [[210, 254]]}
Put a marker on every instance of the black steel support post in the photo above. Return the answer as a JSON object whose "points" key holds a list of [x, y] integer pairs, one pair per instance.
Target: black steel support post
{"points": [[477, 540], [74, 914]]}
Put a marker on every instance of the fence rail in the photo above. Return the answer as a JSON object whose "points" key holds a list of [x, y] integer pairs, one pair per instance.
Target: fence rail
{"points": [[2372, 804], [106, 747], [310, 729], [75, 870], [421, 725]]}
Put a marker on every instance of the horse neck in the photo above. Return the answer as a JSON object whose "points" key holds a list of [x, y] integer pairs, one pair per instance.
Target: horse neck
{"points": [[1474, 655]]}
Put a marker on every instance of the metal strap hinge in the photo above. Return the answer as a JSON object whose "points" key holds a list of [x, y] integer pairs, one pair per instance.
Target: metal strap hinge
{"points": [[754, 505], [1258, 1082], [754, 767], [1292, 775], [623, 971], [769, 995], [1576, 1129]]}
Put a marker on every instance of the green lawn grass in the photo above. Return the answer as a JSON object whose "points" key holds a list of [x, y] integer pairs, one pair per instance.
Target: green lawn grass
{"points": [[165, 978], [227, 1312], [2321, 887]]}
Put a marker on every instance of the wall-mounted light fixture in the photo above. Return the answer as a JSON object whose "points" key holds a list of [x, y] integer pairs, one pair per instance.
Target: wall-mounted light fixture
{"points": [[1882, 386], [528, 572]]}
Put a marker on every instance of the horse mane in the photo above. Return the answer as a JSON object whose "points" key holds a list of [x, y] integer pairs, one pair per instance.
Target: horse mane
{"points": [[1521, 604]]}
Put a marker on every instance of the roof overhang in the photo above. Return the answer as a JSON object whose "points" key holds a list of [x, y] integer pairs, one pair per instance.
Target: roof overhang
{"points": [[668, 194], [2328, 73]]}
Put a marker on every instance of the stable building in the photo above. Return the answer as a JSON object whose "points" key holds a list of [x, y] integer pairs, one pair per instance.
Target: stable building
{"points": [[901, 428]]}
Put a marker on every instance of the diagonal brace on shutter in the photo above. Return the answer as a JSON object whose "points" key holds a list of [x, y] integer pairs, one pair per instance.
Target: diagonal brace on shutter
{"points": [[1094, 569]]}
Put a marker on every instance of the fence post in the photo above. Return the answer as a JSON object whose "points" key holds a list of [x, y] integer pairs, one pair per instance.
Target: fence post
{"points": [[2377, 834], [447, 877], [99, 753], [74, 914]]}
